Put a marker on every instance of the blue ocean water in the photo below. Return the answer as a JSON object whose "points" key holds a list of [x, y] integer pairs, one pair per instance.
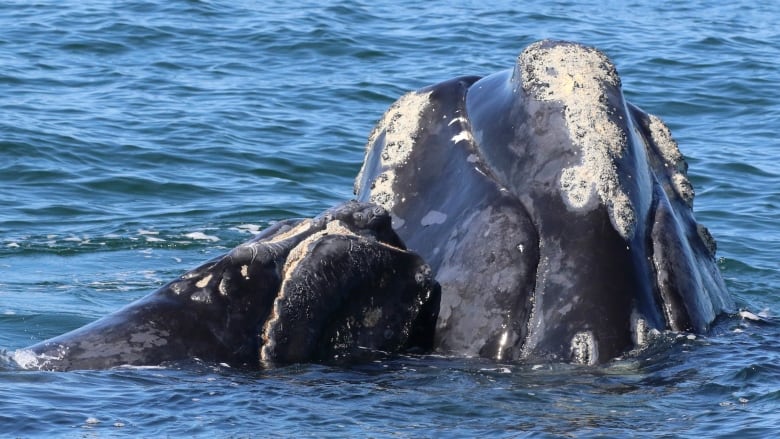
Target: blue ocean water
{"points": [[138, 139]]}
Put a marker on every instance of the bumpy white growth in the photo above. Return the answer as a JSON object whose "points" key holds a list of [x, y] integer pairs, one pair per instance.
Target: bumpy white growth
{"points": [[400, 125], [382, 189], [371, 317], [584, 348], [662, 137], [223, 287], [683, 187], [201, 296], [639, 329], [302, 249], [576, 76], [673, 158], [296, 255], [301, 227], [707, 239]]}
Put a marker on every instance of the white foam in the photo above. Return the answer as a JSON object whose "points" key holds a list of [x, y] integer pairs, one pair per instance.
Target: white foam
{"points": [[747, 315], [27, 359], [248, 228], [201, 236]]}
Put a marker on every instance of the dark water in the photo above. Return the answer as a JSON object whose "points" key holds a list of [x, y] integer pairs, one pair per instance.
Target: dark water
{"points": [[138, 139]]}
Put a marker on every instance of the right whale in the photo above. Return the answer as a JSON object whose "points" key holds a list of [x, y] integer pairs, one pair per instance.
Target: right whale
{"points": [[556, 216]]}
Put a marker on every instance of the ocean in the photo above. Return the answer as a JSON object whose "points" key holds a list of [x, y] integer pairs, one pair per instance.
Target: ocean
{"points": [[139, 139]]}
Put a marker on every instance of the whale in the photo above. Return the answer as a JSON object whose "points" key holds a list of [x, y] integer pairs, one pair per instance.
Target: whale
{"points": [[337, 288], [556, 215], [531, 215]]}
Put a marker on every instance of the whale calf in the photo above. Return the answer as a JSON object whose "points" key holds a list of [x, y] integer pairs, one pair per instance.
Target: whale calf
{"points": [[334, 288]]}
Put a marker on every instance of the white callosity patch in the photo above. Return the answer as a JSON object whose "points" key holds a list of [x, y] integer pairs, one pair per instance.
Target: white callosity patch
{"points": [[662, 137], [371, 317], [673, 158], [464, 134], [273, 246], [302, 249], [201, 296], [707, 238], [176, 288], [576, 76], [204, 282], [382, 189], [639, 329], [400, 125], [683, 187], [294, 258], [461, 136], [223, 287], [584, 348], [299, 228], [296, 255]]}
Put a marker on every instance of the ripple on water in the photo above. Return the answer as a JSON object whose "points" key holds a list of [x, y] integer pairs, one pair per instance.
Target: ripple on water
{"points": [[125, 130]]}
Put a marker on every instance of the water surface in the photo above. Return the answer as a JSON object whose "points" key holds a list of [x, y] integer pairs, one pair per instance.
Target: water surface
{"points": [[138, 139]]}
